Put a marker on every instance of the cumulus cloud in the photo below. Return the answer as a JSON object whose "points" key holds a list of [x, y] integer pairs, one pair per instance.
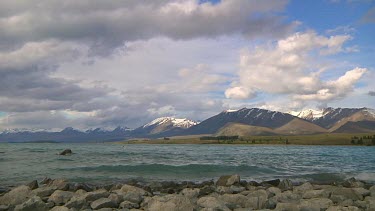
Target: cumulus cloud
{"points": [[287, 67]]}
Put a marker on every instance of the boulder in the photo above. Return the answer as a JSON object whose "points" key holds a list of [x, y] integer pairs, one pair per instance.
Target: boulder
{"points": [[4, 207], [206, 190], [94, 195], [133, 189], [348, 193], [237, 189], [285, 184], [60, 184], [60, 208], [272, 191], [268, 183], [212, 203], [302, 188], [82, 186], [190, 192], [133, 197], [66, 152], [316, 204], [228, 180], [34, 203], [287, 207], [316, 194], [77, 202], [103, 203], [341, 208], [237, 199], [116, 198], [362, 192], [170, 202], [16, 196], [44, 191], [129, 205], [60, 197], [353, 183], [33, 184], [287, 197]]}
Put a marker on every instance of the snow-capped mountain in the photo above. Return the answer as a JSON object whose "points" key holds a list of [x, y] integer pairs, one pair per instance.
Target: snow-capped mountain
{"points": [[309, 114], [175, 122]]}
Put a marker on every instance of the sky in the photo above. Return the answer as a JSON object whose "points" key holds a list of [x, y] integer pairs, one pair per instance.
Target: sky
{"points": [[92, 63]]}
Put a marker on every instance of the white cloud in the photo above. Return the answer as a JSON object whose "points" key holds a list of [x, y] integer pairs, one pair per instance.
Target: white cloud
{"points": [[289, 67]]}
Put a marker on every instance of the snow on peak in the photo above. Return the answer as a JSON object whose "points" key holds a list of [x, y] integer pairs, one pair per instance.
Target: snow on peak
{"points": [[370, 111], [231, 110], [176, 122], [309, 114]]}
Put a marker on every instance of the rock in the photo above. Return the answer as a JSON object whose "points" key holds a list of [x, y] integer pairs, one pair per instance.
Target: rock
{"points": [[82, 186], [346, 203], [80, 192], [60, 197], [257, 199], [77, 201], [348, 193], [362, 192], [272, 191], [46, 181], [133, 189], [133, 197], [237, 189], [103, 203], [66, 152], [274, 183], [116, 198], [341, 208], [316, 194], [206, 190], [49, 204], [285, 184], [287, 197], [129, 205], [353, 183], [170, 203], [228, 180], [60, 184], [271, 203], [212, 203], [4, 207], [237, 199], [16, 196], [316, 204], [287, 207], [33, 184], [60, 208], [223, 189], [190, 192], [302, 188], [94, 195], [44, 191], [34, 203]]}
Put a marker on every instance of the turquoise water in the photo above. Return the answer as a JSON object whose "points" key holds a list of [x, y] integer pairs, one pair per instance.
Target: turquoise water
{"points": [[103, 163]]}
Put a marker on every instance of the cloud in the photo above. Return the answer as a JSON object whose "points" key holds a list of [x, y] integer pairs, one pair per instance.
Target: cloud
{"points": [[369, 17], [288, 67], [371, 93], [106, 26]]}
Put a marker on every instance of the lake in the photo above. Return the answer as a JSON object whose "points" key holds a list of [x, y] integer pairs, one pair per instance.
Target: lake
{"points": [[104, 163]]}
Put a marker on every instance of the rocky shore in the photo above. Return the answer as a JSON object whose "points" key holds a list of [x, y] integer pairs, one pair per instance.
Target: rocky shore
{"points": [[227, 193]]}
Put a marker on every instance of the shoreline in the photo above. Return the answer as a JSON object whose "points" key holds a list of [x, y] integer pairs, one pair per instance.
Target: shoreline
{"points": [[226, 193]]}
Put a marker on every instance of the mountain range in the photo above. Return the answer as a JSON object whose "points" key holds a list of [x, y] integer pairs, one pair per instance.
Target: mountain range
{"points": [[242, 122]]}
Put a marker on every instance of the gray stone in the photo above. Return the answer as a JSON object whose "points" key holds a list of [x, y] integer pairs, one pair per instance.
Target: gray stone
{"points": [[362, 192], [372, 191], [287, 207], [257, 199], [133, 197], [129, 205], [76, 202], [60, 208], [103, 203], [60, 184], [116, 198], [237, 189], [348, 193], [353, 183], [228, 180], [170, 202], [346, 203], [285, 184], [60, 197], [316, 194], [316, 204], [94, 195], [272, 191], [44, 191], [190, 192], [238, 199], [66, 152], [271, 203], [33, 184], [4, 207], [223, 189], [341, 208], [212, 203], [302, 188], [34, 203], [16, 196], [288, 197]]}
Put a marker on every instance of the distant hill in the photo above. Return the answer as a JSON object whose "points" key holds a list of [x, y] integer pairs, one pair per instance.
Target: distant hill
{"points": [[357, 127]]}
